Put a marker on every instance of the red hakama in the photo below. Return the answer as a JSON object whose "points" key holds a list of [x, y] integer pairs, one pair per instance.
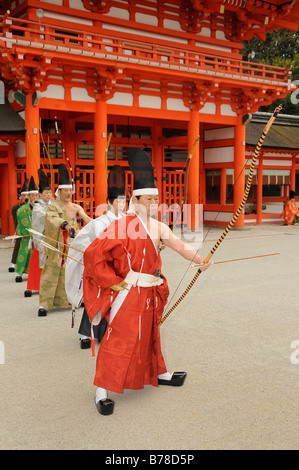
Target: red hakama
{"points": [[34, 271], [130, 353]]}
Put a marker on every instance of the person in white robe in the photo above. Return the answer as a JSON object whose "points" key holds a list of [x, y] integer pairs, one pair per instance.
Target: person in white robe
{"points": [[74, 269]]}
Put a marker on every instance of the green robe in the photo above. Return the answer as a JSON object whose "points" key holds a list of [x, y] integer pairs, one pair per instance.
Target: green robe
{"points": [[24, 217], [52, 282]]}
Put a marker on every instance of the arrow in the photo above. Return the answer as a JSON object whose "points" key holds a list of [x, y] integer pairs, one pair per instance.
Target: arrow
{"points": [[14, 237], [236, 259], [58, 251], [52, 239]]}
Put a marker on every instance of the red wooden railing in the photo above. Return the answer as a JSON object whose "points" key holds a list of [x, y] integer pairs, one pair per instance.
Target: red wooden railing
{"points": [[34, 35]]}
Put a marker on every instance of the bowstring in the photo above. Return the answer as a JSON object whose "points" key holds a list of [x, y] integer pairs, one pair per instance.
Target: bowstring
{"points": [[210, 228]]}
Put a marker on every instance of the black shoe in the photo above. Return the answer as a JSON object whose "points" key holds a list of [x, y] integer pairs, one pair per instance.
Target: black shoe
{"points": [[105, 406], [19, 279], [85, 343], [176, 380], [11, 269], [28, 293], [42, 312]]}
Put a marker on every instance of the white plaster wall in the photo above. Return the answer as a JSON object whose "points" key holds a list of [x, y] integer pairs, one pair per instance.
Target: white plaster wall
{"points": [[174, 104], [171, 24], [219, 134], [72, 19], [124, 99], [118, 13], [80, 94], [277, 154], [55, 2], [273, 208], [214, 47], [77, 5], [226, 110], [146, 101], [205, 32], [143, 33], [146, 19], [209, 108], [277, 162], [54, 91], [219, 155], [270, 220]]}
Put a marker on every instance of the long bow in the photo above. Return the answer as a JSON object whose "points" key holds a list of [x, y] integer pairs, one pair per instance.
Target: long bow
{"points": [[236, 215]]}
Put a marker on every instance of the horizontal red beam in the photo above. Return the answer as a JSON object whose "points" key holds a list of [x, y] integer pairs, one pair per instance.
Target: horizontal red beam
{"points": [[91, 46]]}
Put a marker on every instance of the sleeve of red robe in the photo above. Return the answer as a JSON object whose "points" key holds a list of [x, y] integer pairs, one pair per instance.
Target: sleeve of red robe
{"points": [[106, 264]]}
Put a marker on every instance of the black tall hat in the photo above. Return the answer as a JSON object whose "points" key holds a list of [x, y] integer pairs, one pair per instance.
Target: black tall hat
{"points": [[32, 186], [141, 166], [116, 182], [43, 181], [64, 177], [25, 189], [292, 194]]}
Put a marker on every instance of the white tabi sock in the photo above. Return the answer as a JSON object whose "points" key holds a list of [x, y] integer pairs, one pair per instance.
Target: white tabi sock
{"points": [[166, 376], [83, 337], [101, 394]]}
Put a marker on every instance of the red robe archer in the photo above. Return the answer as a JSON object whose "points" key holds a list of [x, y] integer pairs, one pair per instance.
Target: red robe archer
{"points": [[130, 353]]}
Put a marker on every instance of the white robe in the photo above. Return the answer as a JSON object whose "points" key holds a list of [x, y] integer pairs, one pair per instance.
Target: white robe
{"points": [[74, 270]]}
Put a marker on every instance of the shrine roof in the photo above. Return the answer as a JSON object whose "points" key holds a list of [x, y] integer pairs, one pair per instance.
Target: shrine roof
{"points": [[284, 133], [10, 121]]}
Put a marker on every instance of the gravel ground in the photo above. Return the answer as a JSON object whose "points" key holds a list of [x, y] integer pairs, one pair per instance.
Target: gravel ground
{"points": [[233, 334]]}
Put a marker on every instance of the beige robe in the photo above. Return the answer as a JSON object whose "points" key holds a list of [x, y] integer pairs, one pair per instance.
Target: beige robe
{"points": [[52, 283]]}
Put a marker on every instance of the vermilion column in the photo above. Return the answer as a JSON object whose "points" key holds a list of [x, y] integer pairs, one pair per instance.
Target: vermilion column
{"points": [[100, 142], [4, 199], [239, 170], [259, 192], [12, 186], [193, 179], [32, 140]]}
